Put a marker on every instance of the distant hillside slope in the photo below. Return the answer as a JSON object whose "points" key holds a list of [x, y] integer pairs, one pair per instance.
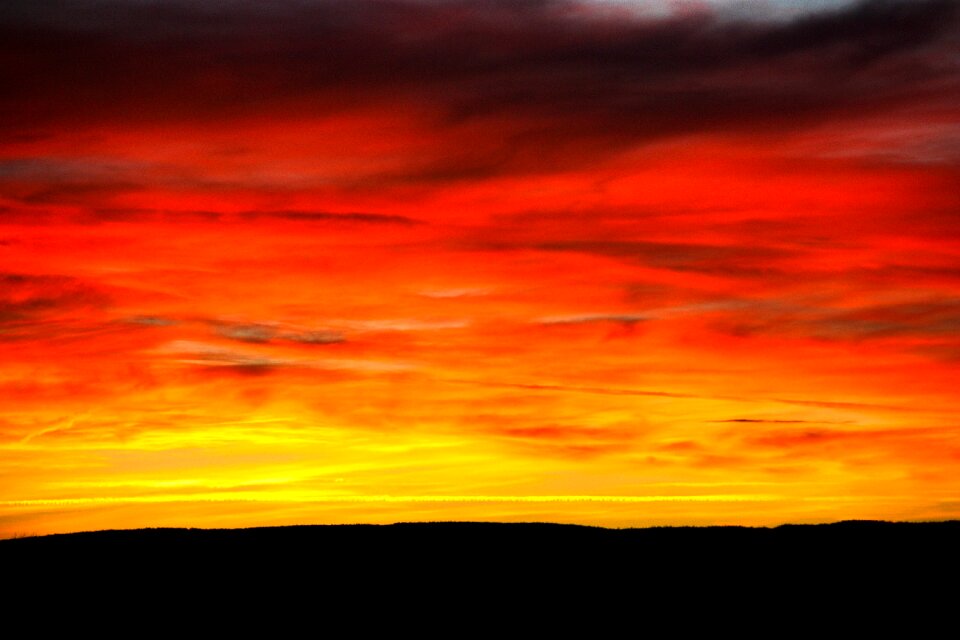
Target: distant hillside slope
{"points": [[483, 569], [472, 542]]}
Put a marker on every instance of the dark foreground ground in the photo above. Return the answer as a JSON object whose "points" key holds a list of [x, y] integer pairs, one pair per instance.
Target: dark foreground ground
{"points": [[842, 566], [862, 545]]}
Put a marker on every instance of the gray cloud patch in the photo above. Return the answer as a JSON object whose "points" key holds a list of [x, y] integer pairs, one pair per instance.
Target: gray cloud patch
{"points": [[152, 321], [313, 337], [247, 332], [262, 333], [929, 318], [64, 169], [213, 356], [216, 358], [49, 180], [618, 318]]}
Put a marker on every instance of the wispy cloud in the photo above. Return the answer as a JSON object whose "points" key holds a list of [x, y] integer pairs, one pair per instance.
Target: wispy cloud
{"points": [[350, 217], [402, 324], [45, 305], [262, 333], [464, 292], [589, 318], [205, 354]]}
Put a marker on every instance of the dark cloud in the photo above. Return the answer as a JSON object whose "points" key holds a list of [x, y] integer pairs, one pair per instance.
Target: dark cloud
{"points": [[934, 318], [322, 217], [106, 214], [312, 337], [75, 193], [217, 359], [53, 190], [625, 319], [63, 170], [332, 217], [63, 180], [262, 333], [945, 351], [731, 260], [557, 82], [152, 321], [247, 332], [32, 305], [931, 318], [28, 297]]}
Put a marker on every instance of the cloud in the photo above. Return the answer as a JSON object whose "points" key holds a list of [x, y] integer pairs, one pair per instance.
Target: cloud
{"points": [[262, 333], [772, 421], [404, 324], [567, 440], [628, 319], [247, 332], [924, 318], [730, 260], [67, 180], [312, 337], [940, 442], [611, 391], [52, 190], [213, 357], [550, 83], [332, 217], [944, 351], [43, 305], [463, 292], [722, 259], [930, 318], [152, 321], [615, 391]]}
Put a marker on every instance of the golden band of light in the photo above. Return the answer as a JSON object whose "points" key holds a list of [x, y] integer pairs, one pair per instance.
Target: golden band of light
{"points": [[722, 497]]}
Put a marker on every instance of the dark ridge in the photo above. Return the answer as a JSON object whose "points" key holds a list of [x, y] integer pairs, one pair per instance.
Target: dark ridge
{"points": [[493, 569], [478, 542], [485, 532]]}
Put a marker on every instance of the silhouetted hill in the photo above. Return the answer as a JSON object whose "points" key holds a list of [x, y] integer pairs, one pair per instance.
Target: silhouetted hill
{"points": [[465, 543], [403, 564]]}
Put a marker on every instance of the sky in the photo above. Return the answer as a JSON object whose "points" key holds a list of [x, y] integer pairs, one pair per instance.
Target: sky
{"points": [[607, 263]]}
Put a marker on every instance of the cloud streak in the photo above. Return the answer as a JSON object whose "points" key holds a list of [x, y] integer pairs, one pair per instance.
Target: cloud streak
{"points": [[45, 305], [263, 333]]}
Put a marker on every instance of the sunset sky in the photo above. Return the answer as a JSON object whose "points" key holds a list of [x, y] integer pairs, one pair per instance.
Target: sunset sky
{"points": [[605, 262]]}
